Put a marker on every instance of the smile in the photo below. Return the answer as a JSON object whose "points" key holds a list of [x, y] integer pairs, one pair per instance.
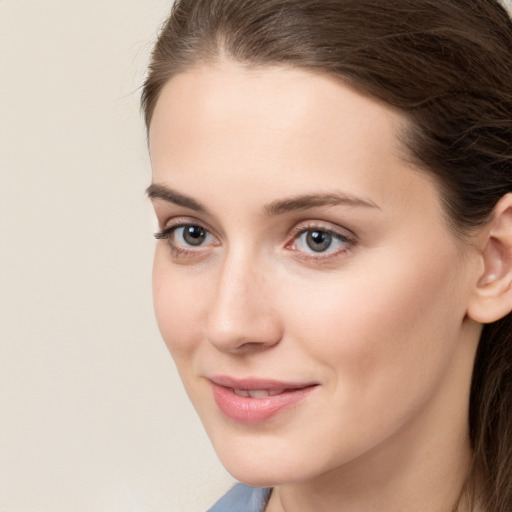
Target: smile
{"points": [[253, 401], [258, 393]]}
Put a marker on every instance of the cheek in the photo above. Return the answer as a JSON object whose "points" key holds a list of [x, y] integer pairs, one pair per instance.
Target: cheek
{"points": [[381, 323], [382, 340], [177, 301]]}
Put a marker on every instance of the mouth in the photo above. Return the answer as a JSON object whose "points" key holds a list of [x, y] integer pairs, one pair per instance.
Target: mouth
{"points": [[257, 393], [255, 401]]}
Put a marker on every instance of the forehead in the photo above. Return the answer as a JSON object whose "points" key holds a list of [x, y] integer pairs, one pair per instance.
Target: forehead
{"points": [[282, 100], [278, 128]]}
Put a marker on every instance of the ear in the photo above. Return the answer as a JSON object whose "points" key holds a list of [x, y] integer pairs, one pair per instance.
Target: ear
{"points": [[492, 294]]}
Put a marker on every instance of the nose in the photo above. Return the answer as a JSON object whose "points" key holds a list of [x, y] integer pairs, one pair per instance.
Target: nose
{"points": [[241, 317]]}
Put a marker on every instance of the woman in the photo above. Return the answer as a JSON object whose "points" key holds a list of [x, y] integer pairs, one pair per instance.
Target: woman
{"points": [[333, 276]]}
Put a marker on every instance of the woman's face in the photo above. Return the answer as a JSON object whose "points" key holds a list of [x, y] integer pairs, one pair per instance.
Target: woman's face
{"points": [[306, 281]]}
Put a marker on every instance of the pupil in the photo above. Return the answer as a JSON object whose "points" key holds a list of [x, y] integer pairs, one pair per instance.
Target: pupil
{"points": [[318, 241], [194, 235]]}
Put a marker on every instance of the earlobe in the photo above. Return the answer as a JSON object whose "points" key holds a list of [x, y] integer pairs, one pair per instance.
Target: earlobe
{"points": [[492, 294]]}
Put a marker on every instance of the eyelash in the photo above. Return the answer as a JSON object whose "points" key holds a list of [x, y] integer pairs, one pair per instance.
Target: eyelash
{"points": [[167, 232], [347, 239]]}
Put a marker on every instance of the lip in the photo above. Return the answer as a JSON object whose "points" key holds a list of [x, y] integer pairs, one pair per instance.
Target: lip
{"points": [[256, 410]]}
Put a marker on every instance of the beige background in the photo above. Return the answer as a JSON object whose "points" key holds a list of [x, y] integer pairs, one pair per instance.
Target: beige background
{"points": [[92, 414]]}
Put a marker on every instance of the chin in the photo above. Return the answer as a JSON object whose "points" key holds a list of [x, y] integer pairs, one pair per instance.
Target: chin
{"points": [[260, 473], [267, 466]]}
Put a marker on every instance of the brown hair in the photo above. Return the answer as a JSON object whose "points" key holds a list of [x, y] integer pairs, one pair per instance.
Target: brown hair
{"points": [[447, 65]]}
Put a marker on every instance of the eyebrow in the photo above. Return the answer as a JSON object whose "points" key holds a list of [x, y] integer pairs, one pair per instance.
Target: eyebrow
{"points": [[155, 191], [278, 207], [315, 200]]}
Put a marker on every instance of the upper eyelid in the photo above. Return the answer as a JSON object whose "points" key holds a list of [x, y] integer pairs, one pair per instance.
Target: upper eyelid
{"points": [[320, 225], [180, 221]]}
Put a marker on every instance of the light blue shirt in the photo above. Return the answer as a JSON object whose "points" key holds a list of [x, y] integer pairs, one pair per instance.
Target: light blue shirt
{"points": [[242, 498]]}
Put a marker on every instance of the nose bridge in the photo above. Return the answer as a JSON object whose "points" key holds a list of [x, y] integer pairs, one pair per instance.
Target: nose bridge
{"points": [[241, 312]]}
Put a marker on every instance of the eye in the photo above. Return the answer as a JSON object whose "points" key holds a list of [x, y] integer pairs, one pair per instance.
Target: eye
{"points": [[191, 235], [318, 242], [186, 237]]}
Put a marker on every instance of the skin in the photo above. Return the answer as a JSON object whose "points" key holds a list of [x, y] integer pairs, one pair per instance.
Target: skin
{"points": [[379, 320]]}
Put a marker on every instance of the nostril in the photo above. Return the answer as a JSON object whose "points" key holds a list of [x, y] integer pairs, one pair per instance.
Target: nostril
{"points": [[255, 346], [252, 340], [250, 334]]}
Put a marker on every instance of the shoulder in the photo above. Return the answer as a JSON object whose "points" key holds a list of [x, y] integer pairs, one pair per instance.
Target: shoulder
{"points": [[242, 498]]}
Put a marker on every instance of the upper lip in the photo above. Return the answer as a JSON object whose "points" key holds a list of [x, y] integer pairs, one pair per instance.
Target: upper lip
{"points": [[253, 383]]}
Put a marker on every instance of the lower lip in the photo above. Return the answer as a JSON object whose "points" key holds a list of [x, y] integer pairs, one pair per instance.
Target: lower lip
{"points": [[254, 411]]}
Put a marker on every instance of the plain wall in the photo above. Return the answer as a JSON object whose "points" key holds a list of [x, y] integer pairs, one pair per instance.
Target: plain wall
{"points": [[93, 416]]}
